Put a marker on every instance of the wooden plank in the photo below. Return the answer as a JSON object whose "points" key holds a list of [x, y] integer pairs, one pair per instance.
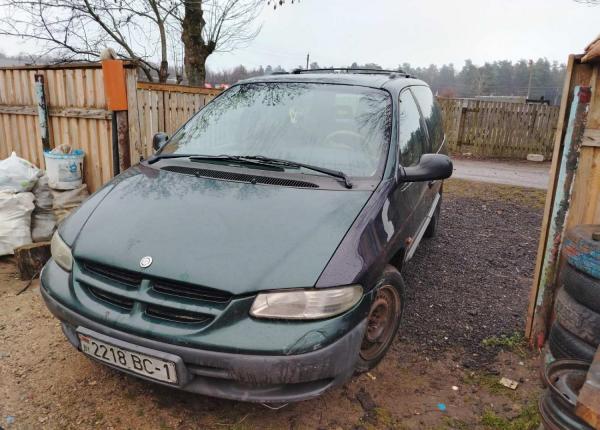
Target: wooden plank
{"points": [[585, 198], [68, 112], [569, 84], [588, 399], [133, 116], [576, 74], [591, 137], [177, 88], [61, 66]]}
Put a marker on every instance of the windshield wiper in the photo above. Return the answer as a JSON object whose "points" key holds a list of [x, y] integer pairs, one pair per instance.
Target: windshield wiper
{"points": [[157, 157], [258, 160], [223, 157], [234, 158], [294, 164]]}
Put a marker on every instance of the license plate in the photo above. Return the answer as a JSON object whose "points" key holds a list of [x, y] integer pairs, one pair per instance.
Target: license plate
{"points": [[151, 367]]}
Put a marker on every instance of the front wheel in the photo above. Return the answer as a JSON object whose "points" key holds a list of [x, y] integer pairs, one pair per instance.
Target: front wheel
{"points": [[384, 319]]}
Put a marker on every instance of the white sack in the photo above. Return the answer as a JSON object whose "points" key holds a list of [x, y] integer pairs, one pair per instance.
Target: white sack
{"points": [[17, 175], [65, 201], [15, 220], [43, 220]]}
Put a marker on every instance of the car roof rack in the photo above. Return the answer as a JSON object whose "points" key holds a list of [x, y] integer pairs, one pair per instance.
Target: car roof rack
{"points": [[358, 70]]}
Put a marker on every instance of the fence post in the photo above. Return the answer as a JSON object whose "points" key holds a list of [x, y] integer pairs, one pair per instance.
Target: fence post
{"points": [[42, 111], [116, 99], [461, 122], [546, 286]]}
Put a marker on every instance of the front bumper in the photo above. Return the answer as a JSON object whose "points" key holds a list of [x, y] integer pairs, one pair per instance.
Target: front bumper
{"points": [[246, 377]]}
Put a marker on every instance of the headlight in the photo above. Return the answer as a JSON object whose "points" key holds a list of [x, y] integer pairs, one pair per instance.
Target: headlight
{"points": [[61, 252], [306, 304]]}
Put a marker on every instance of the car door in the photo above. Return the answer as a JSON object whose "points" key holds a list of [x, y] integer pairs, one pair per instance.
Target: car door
{"points": [[408, 208], [432, 123]]}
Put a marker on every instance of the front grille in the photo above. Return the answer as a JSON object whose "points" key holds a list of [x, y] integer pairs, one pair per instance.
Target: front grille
{"points": [[176, 315], [158, 298], [190, 291], [117, 275], [240, 177], [113, 299]]}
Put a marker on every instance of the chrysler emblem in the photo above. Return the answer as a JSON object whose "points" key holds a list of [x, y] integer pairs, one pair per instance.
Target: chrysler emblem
{"points": [[145, 261]]}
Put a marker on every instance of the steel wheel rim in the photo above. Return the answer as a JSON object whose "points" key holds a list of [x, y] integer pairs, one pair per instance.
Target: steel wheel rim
{"points": [[381, 322]]}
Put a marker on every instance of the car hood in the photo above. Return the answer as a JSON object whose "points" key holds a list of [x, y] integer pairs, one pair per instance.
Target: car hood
{"points": [[236, 237]]}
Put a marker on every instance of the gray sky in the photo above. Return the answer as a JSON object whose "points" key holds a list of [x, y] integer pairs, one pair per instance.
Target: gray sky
{"points": [[421, 32]]}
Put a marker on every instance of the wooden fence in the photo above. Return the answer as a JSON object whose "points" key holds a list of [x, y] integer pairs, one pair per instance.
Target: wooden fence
{"points": [[163, 107], [78, 115], [573, 196], [499, 129]]}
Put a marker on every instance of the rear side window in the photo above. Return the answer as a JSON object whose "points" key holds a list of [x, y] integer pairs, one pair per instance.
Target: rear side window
{"points": [[432, 115], [412, 136]]}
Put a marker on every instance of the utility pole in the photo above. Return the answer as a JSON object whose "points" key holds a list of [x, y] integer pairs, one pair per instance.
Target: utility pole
{"points": [[530, 79], [307, 60]]}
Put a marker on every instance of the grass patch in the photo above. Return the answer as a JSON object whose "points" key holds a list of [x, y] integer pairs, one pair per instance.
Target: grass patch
{"points": [[528, 419], [515, 343], [530, 197], [488, 381], [455, 423]]}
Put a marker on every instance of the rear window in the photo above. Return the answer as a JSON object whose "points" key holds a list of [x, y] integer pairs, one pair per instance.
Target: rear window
{"points": [[339, 127]]}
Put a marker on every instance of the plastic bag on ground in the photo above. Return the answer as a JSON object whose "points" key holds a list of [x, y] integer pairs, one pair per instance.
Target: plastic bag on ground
{"points": [[65, 201], [17, 175], [43, 220], [15, 220]]}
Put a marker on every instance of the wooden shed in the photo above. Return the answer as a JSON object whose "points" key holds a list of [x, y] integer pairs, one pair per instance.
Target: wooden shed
{"points": [[573, 196]]}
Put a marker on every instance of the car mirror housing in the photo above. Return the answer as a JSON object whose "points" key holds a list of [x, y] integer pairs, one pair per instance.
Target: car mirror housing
{"points": [[431, 167], [159, 140]]}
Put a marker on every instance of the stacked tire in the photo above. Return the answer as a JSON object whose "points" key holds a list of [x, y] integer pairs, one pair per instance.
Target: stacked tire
{"points": [[575, 333]]}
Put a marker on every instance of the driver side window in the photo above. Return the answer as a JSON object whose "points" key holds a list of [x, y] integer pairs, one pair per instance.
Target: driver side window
{"points": [[412, 136]]}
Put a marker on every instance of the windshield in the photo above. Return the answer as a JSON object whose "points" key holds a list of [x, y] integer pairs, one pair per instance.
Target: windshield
{"points": [[340, 127]]}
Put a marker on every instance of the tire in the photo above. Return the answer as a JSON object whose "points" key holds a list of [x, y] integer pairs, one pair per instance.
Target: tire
{"points": [[387, 305], [432, 228], [564, 345], [581, 250], [583, 288], [578, 319]]}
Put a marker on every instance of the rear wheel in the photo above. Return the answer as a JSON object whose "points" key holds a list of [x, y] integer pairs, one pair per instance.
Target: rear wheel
{"points": [[383, 320]]}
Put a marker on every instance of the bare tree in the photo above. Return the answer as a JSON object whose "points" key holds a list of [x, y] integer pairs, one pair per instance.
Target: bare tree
{"points": [[79, 29], [140, 30], [214, 25]]}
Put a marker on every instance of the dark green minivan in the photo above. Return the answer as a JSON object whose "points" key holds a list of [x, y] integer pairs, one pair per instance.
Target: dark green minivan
{"points": [[255, 256]]}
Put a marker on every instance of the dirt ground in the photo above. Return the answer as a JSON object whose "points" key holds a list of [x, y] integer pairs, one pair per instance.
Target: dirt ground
{"points": [[467, 297], [518, 173]]}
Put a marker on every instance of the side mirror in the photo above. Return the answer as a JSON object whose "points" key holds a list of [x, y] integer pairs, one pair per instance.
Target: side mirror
{"points": [[159, 140], [431, 167]]}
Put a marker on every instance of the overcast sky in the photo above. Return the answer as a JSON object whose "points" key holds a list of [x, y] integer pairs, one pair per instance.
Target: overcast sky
{"points": [[420, 32]]}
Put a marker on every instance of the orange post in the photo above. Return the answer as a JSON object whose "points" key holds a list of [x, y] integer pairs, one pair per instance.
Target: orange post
{"points": [[114, 85]]}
